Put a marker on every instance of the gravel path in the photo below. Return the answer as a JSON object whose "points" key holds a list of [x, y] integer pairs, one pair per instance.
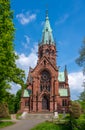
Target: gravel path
{"points": [[24, 124]]}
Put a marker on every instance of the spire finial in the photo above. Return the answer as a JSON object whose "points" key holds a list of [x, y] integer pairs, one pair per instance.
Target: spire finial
{"points": [[47, 14]]}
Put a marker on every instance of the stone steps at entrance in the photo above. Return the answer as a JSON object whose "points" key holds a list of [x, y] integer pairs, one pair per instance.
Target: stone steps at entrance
{"points": [[47, 116]]}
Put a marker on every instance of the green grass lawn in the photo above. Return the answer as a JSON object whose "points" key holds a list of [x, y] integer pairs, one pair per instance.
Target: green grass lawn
{"points": [[5, 123], [5, 118], [51, 126]]}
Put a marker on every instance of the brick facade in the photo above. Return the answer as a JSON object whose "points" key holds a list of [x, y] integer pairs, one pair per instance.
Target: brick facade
{"points": [[44, 83]]}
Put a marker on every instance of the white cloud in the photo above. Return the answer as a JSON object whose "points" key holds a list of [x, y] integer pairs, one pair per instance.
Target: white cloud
{"points": [[25, 18], [75, 83], [24, 62], [62, 19], [27, 41], [15, 88]]}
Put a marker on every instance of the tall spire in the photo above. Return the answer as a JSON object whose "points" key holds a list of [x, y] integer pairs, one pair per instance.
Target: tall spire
{"points": [[47, 36]]}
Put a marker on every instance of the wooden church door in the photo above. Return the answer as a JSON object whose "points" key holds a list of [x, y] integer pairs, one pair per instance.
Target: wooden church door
{"points": [[45, 103]]}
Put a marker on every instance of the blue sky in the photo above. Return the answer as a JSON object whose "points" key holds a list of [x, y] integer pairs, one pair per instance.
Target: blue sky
{"points": [[67, 19]]}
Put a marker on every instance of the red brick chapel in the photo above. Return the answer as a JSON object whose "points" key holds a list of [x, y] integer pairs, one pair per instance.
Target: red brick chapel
{"points": [[47, 88]]}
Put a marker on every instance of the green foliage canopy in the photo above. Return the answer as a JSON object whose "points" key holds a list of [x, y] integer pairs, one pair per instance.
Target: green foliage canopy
{"points": [[82, 96], [8, 68], [82, 101], [81, 59], [17, 100], [75, 109]]}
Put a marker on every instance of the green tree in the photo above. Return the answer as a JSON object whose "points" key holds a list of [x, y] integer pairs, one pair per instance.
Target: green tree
{"points": [[81, 59], [17, 100], [13, 101], [82, 99], [75, 110], [81, 62], [8, 68], [10, 99], [82, 96]]}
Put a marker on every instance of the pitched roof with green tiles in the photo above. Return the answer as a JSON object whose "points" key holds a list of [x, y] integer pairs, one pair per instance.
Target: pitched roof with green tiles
{"points": [[61, 77], [27, 93], [63, 92]]}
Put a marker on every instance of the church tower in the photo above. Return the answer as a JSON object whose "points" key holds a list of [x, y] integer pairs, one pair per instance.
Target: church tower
{"points": [[47, 46], [47, 88]]}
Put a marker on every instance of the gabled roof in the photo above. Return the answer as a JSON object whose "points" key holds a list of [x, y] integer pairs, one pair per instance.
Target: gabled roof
{"points": [[42, 59], [61, 77]]}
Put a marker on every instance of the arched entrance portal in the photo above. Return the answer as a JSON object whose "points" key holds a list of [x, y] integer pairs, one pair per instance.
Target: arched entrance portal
{"points": [[45, 103]]}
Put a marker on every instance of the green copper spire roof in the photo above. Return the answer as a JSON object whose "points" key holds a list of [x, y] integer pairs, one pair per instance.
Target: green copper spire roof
{"points": [[47, 36]]}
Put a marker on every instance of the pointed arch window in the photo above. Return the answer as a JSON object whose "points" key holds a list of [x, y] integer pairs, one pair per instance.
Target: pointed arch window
{"points": [[45, 81]]}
